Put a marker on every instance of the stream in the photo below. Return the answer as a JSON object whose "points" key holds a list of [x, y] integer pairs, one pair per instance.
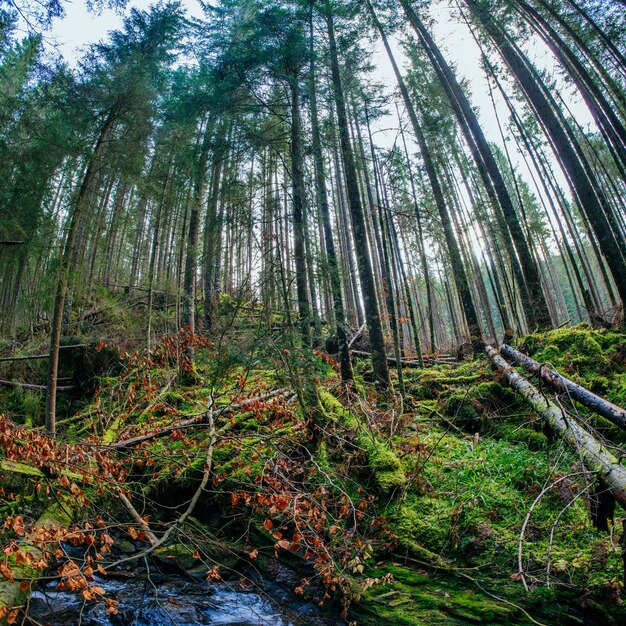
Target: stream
{"points": [[161, 597]]}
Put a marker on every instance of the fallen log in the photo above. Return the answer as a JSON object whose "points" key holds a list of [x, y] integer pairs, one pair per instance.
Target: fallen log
{"points": [[599, 405], [594, 455], [14, 383], [442, 359], [357, 335], [192, 421], [30, 357]]}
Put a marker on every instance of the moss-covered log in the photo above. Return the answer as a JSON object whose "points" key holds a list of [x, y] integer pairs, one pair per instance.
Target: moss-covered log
{"points": [[599, 405], [595, 456], [13, 593]]}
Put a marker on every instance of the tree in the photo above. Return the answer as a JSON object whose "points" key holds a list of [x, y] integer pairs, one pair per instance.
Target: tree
{"points": [[590, 196], [524, 265], [366, 277], [458, 269], [138, 52]]}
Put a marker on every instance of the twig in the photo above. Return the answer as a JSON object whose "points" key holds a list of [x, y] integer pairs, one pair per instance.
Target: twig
{"points": [[553, 530], [152, 538], [194, 500], [520, 545], [193, 421]]}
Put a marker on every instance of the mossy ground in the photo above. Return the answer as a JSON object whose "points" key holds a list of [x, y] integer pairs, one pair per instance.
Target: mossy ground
{"points": [[478, 458], [453, 475]]}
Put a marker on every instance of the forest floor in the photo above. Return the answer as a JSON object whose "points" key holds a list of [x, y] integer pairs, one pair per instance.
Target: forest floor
{"points": [[451, 506]]}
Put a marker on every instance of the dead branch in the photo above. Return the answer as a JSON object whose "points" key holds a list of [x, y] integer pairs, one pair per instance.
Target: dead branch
{"points": [[13, 383], [208, 464], [30, 357], [194, 421], [358, 334]]}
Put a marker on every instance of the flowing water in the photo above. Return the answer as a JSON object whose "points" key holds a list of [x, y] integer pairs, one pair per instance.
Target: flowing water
{"points": [[164, 598]]}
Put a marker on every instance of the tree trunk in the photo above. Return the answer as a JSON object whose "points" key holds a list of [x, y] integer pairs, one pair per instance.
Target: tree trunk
{"points": [[329, 244], [592, 453], [460, 276], [368, 289], [188, 319], [298, 193], [611, 243], [66, 262], [599, 405], [525, 269]]}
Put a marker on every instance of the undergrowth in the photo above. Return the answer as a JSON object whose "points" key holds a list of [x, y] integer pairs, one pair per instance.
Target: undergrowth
{"points": [[411, 514]]}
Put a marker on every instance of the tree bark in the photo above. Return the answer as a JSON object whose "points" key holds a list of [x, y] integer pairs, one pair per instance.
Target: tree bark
{"points": [[297, 188], [611, 243], [368, 289], [66, 263], [599, 405], [331, 255], [525, 269], [592, 453]]}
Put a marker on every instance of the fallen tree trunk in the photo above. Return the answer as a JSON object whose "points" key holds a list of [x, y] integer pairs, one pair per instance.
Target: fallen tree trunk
{"points": [[599, 405], [442, 359], [592, 452], [192, 421], [30, 357], [357, 335], [12, 383]]}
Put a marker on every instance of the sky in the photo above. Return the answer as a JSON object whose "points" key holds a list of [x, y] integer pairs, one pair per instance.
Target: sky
{"points": [[80, 27]]}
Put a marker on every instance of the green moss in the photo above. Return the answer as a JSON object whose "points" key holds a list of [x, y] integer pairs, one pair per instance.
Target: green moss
{"points": [[533, 439], [419, 598], [465, 415], [174, 399], [422, 522], [387, 470], [20, 468], [177, 553]]}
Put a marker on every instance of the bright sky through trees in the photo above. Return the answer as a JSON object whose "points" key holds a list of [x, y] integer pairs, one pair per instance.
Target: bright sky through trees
{"points": [[81, 27]]}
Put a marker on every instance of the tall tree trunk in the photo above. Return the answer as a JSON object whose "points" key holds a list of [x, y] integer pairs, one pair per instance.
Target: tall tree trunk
{"points": [[460, 276], [606, 118], [297, 189], [188, 318], [611, 243], [66, 262], [524, 266], [368, 289]]}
